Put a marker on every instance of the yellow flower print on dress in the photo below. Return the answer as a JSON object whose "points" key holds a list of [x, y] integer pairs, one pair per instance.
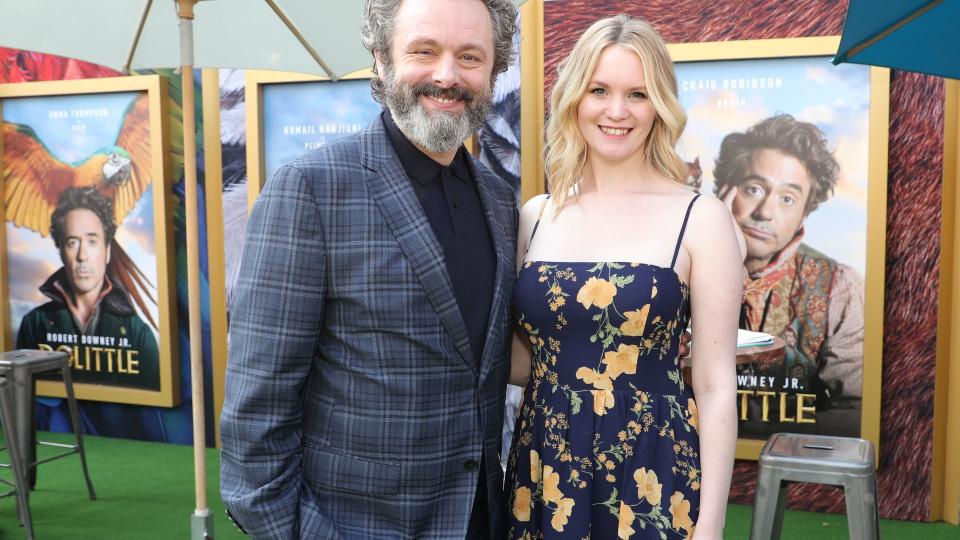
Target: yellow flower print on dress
{"points": [[552, 494], [648, 486], [694, 414], [551, 485], [624, 527], [598, 292], [636, 321], [680, 510], [521, 504], [603, 400], [623, 360], [535, 466], [598, 380], [562, 514], [603, 395]]}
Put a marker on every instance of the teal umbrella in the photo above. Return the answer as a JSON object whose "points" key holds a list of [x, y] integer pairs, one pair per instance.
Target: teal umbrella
{"points": [[913, 35]]}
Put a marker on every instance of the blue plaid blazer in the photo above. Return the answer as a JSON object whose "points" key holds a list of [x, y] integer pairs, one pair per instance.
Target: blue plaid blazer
{"points": [[354, 407]]}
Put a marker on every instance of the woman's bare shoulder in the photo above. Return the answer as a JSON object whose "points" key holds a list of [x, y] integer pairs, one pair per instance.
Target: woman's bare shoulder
{"points": [[710, 220]]}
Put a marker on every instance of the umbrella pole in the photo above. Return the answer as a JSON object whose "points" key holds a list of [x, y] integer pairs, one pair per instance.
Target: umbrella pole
{"points": [[201, 521]]}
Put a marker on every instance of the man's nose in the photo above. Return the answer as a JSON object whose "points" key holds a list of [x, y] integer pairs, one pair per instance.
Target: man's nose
{"points": [[445, 72], [764, 209], [81, 252]]}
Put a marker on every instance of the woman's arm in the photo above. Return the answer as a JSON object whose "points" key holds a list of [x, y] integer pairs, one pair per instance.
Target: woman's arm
{"points": [[520, 355], [716, 288]]}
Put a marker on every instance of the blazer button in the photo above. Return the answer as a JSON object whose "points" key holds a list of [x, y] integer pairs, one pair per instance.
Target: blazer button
{"points": [[471, 465]]}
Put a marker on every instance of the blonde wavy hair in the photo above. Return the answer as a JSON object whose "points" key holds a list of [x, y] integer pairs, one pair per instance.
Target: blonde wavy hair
{"points": [[566, 150]]}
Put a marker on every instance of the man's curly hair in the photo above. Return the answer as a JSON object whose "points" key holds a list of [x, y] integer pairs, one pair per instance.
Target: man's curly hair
{"points": [[88, 198], [782, 132], [376, 31]]}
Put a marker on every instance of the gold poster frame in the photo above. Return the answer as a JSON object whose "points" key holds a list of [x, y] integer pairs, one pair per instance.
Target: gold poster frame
{"points": [[879, 118], [156, 88], [945, 474]]}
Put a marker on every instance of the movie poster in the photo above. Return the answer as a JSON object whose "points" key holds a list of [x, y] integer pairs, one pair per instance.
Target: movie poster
{"points": [[80, 234], [303, 116], [786, 141]]}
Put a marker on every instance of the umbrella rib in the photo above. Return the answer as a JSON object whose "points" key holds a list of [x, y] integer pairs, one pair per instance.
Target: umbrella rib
{"points": [[859, 47], [313, 53], [136, 37]]}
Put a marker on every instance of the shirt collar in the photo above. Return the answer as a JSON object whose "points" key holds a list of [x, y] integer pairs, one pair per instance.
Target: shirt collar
{"points": [[419, 166]]}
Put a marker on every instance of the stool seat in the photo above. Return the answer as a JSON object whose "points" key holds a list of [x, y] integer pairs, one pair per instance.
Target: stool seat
{"points": [[840, 461], [35, 361], [819, 453]]}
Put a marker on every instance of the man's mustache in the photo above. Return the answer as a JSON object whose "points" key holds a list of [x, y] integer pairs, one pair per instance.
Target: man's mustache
{"points": [[758, 226], [430, 90]]}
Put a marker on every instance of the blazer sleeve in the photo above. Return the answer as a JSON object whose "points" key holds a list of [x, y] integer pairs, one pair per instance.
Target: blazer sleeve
{"points": [[275, 324]]}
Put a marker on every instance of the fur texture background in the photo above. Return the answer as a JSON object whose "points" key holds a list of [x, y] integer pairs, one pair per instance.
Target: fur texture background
{"points": [[913, 225]]}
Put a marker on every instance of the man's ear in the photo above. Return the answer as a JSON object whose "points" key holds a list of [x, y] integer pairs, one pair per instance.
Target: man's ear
{"points": [[377, 62], [108, 252]]}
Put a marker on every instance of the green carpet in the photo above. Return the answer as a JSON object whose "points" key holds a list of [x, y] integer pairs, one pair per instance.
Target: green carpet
{"points": [[145, 491]]}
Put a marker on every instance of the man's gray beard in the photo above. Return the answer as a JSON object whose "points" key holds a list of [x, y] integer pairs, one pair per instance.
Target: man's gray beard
{"points": [[438, 131]]}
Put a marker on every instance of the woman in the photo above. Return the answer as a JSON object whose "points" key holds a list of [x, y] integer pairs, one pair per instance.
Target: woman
{"points": [[610, 441]]}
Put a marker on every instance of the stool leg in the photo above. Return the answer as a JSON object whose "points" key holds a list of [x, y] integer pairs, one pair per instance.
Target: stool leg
{"points": [[23, 395], [859, 493], [16, 465], [77, 427], [768, 505], [781, 502]]}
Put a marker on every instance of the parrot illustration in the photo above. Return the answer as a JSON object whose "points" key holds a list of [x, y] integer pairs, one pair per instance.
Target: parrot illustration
{"points": [[35, 178]]}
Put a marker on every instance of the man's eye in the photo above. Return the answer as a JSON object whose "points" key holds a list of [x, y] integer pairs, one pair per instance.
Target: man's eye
{"points": [[754, 190], [788, 200]]}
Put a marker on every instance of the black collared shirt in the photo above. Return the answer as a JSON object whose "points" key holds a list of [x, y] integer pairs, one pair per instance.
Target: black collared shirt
{"points": [[448, 195]]}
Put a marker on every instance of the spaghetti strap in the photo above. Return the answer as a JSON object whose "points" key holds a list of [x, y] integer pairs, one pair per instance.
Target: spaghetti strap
{"points": [[683, 228], [535, 225]]}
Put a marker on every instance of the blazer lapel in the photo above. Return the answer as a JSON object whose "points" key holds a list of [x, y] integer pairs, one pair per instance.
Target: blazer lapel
{"points": [[491, 208], [391, 191]]}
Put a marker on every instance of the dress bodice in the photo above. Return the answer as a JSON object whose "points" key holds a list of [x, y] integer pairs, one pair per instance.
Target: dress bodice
{"points": [[618, 323]]}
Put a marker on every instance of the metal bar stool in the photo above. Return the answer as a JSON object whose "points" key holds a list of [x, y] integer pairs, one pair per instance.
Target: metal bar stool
{"points": [[839, 461], [19, 483], [19, 367]]}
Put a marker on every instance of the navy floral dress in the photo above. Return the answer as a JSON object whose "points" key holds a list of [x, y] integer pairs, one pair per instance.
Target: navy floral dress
{"points": [[606, 441]]}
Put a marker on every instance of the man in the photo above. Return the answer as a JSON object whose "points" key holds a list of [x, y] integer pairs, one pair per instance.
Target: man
{"points": [[370, 330], [777, 173], [89, 314]]}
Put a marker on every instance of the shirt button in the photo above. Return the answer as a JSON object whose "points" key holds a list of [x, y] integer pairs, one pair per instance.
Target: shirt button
{"points": [[456, 204], [471, 465]]}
